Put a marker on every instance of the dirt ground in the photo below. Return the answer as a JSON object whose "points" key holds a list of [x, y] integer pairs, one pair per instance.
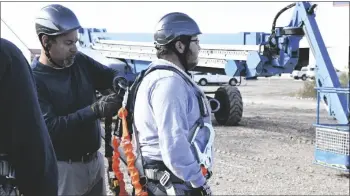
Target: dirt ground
{"points": [[271, 151]]}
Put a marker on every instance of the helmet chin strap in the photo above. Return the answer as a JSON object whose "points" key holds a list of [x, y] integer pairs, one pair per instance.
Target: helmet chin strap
{"points": [[47, 53], [51, 60], [182, 56]]}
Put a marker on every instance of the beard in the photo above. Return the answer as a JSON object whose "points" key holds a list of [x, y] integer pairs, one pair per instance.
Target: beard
{"points": [[191, 65], [192, 61], [68, 61]]}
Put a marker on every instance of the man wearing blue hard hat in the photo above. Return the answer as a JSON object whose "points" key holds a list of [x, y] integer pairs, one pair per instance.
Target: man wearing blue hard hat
{"points": [[172, 114]]}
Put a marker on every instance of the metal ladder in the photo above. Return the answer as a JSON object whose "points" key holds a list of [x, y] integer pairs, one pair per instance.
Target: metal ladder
{"points": [[210, 55]]}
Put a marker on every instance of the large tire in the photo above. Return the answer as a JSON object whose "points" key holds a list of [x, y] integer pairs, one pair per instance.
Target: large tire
{"points": [[231, 106]]}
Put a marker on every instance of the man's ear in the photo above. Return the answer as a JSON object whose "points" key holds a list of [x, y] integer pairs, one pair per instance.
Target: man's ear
{"points": [[180, 46], [45, 40]]}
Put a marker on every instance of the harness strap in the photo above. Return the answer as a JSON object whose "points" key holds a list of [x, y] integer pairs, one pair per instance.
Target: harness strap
{"points": [[164, 178], [160, 175], [7, 178], [199, 95], [6, 169]]}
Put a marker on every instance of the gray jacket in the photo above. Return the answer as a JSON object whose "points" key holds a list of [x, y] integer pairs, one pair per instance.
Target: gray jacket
{"points": [[166, 108]]}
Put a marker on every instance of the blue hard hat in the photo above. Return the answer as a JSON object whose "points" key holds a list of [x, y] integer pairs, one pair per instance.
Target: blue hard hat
{"points": [[173, 25], [56, 19]]}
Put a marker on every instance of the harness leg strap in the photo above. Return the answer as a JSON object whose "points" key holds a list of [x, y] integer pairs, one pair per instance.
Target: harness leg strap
{"points": [[167, 184], [164, 178]]}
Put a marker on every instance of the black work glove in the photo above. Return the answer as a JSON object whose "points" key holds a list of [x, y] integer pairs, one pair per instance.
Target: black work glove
{"points": [[202, 191], [107, 106]]}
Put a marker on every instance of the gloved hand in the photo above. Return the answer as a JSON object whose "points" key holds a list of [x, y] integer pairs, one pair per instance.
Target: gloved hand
{"points": [[107, 106], [203, 190]]}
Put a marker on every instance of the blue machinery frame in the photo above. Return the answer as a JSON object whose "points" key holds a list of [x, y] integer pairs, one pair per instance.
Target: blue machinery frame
{"points": [[332, 140]]}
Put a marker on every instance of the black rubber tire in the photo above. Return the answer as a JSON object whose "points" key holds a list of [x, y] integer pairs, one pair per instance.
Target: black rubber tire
{"points": [[231, 106], [303, 77], [233, 82], [202, 80]]}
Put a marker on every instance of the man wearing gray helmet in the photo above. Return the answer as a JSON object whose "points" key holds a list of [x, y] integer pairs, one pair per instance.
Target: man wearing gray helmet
{"points": [[66, 82], [169, 107]]}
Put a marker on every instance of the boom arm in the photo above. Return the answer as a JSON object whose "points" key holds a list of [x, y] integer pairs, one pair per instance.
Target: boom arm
{"points": [[281, 55], [325, 73]]}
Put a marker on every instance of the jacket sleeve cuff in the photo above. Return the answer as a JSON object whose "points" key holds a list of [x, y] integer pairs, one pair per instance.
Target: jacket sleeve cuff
{"points": [[88, 113], [200, 181]]}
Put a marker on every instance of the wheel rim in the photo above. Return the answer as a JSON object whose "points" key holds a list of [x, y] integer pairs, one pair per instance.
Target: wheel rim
{"points": [[232, 82]]}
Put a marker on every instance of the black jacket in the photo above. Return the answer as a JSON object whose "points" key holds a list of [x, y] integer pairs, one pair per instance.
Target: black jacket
{"points": [[65, 97], [23, 134]]}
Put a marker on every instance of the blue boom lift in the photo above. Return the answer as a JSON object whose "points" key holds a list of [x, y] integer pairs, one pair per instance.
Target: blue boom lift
{"points": [[260, 54]]}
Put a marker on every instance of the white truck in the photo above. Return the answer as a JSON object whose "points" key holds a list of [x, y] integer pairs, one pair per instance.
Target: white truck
{"points": [[305, 72], [210, 78], [309, 72]]}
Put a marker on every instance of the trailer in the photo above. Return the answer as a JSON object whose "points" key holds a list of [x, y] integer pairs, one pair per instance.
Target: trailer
{"points": [[260, 55]]}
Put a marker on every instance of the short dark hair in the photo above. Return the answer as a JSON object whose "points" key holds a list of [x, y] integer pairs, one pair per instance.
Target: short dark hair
{"points": [[168, 49], [51, 38], [163, 50]]}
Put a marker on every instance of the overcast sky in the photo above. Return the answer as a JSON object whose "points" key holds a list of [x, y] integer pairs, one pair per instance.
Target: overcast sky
{"points": [[212, 17]]}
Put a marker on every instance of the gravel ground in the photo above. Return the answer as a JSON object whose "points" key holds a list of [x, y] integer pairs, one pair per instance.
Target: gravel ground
{"points": [[271, 151]]}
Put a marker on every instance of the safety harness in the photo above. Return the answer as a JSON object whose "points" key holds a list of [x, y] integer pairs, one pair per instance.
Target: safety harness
{"points": [[123, 149], [7, 178]]}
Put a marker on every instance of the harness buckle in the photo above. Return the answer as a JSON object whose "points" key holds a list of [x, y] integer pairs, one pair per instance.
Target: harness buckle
{"points": [[165, 178]]}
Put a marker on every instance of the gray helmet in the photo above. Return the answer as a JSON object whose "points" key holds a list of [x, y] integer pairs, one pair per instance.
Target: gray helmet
{"points": [[173, 25], [56, 19]]}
